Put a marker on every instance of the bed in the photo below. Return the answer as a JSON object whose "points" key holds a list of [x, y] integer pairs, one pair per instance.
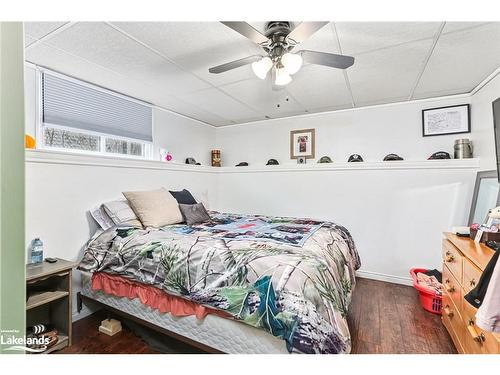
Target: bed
{"points": [[264, 284]]}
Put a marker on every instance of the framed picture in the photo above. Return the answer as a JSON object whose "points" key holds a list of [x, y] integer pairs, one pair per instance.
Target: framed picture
{"points": [[302, 143], [446, 120]]}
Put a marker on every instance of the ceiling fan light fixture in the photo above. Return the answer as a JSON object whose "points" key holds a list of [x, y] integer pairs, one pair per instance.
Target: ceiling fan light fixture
{"points": [[292, 62], [282, 77], [261, 67]]}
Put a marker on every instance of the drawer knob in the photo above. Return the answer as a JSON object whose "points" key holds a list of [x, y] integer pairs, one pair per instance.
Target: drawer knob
{"points": [[472, 282], [449, 258], [472, 331], [447, 311], [450, 289]]}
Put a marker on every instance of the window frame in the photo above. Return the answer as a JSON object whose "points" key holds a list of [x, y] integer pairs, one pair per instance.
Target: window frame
{"points": [[40, 124]]}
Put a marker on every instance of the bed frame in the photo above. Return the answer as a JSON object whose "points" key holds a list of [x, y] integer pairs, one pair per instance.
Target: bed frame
{"points": [[80, 298]]}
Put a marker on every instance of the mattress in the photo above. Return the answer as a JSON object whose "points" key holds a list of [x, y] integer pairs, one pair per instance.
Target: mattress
{"points": [[289, 277], [228, 336]]}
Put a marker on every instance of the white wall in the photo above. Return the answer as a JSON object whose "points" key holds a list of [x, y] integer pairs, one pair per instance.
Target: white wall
{"points": [[396, 216], [182, 136], [482, 122], [372, 132]]}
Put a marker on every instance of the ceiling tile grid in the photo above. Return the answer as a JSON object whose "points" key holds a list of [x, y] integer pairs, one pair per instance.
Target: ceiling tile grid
{"points": [[461, 60], [166, 63]]}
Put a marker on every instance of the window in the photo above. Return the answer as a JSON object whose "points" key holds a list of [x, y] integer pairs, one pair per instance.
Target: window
{"points": [[79, 117]]}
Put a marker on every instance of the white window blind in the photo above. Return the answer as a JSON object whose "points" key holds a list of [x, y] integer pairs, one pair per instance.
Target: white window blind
{"points": [[70, 104]]}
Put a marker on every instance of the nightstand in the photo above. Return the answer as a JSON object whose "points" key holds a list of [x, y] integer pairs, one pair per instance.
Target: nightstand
{"points": [[49, 296]]}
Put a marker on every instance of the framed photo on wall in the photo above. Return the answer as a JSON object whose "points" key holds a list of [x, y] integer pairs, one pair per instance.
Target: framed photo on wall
{"points": [[302, 143], [446, 120]]}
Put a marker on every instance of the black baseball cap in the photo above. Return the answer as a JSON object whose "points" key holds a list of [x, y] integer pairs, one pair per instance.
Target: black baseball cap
{"points": [[354, 158], [325, 159], [439, 155], [272, 162], [392, 157], [242, 164]]}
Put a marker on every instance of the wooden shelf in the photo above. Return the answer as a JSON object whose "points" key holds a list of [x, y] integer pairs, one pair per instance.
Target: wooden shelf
{"points": [[42, 270], [43, 298]]}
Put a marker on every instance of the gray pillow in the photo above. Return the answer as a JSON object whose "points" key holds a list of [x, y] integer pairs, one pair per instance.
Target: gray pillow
{"points": [[194, 213]]}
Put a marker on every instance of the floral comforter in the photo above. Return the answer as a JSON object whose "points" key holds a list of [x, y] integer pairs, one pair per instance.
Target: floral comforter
{"points": [[299, 294]]}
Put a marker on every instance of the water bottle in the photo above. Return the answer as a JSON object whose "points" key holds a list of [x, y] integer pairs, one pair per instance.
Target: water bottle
{"points": [[36, 251]]}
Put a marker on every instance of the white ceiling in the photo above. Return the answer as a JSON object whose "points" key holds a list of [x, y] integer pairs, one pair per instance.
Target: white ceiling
{"points": [[166, 63]]}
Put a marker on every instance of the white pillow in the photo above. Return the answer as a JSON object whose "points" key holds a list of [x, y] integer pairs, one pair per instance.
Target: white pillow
{"points": [[154, 208], [101, 217], [121, 213]]}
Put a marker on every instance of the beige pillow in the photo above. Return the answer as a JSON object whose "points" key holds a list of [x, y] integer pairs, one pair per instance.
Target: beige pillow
{"points": [[154, 208]]}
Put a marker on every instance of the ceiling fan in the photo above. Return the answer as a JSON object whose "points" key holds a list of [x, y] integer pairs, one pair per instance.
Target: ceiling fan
{"points": [[278, 42]]}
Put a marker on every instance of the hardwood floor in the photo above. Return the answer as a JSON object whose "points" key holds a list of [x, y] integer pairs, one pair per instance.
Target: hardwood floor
{"points": [[387, 318], [383, 318]]}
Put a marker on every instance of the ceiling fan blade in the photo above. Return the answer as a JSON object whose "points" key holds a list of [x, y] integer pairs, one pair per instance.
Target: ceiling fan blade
{"points": [[328, 59], [234, 64], [247, 31], [304, 30]]}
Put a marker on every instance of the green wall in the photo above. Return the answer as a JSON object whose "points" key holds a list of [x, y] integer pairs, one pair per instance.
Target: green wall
{"points": [[12, 253]]}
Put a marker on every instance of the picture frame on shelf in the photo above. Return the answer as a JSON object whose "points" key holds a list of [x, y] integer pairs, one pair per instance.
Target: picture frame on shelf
{"points": [[302, 144], [454, 119]]}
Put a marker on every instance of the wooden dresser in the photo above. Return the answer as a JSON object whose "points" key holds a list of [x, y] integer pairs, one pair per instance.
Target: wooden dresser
{"points": [[463, 264]]}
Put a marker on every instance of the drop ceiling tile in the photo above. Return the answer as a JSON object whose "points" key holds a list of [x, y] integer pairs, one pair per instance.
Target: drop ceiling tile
{"points": [[217, 102], [323, 40], [434, 94], [61, 61], [451, 27], [330, 108], [361, 37], [461, 60], [387, 73], [103, 45], [316, 86], [259, 94], [382, 101], [37, 30], [188, 109], [28, 40], [389, 57], [197, 46]]}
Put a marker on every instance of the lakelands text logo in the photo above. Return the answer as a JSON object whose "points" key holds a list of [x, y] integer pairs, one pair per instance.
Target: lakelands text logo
{"points": [[12, 342]]}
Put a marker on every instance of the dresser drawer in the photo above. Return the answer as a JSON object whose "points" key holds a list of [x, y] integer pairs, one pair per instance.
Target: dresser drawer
{"points": [[453, 322], [471, 276], [453, 259], [452, 287], [477, 340]]}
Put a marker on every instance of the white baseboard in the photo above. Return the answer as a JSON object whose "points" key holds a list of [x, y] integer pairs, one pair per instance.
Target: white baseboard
{"points": [[384, 277]]}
